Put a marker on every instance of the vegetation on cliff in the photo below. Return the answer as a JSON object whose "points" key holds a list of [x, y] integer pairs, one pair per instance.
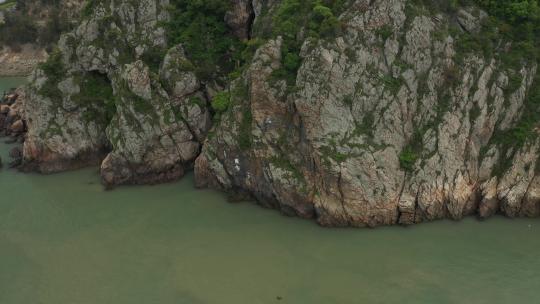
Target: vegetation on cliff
{"points": [[214, 53]]}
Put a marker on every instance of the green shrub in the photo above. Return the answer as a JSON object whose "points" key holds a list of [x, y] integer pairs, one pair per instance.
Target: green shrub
{"points": [[407, 159], [209, 43], [89, 8], [221, 102], [153, 58], [54, 70], [18, 29], [97, 96], [292, 17], [390, 83], [385, 32]]}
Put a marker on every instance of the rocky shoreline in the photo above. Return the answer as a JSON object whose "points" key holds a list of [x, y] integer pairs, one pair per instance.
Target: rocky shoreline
{"points": [[12, 125]]}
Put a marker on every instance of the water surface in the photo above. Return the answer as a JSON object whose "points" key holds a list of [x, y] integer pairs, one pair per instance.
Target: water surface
{"points": [[7, 83], [64, 240]]}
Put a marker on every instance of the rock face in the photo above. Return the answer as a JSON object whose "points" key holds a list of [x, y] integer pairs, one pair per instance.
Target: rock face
{"points": [[336, 147], [240, 17], [390, 122], [108, 104]]}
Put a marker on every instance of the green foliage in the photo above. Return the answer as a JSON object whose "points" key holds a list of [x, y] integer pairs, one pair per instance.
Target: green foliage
{"points": [[324, 22], [385, 32], [97, 96], [318, 17], [54, 70], [18, 29], [390, 83], [291, 62], [510, 141], [331, 153], [89, 7], [407, 159], [141, 105], [413, 151], [348, 100], [293, 16], [8, 4], [513, 11], [512, 20], [153, 58], [245, 56], [221, 102], [200, 26]]}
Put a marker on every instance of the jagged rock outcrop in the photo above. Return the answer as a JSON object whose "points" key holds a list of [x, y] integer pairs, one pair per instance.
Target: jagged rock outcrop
{"points": [[391, 121]]}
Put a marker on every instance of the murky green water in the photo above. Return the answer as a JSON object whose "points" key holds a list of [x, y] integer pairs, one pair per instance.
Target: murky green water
{"points": [[63, 240], [7, 83]]}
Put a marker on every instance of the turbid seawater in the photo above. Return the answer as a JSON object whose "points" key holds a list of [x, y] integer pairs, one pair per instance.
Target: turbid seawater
{"points": [[64, 240]]}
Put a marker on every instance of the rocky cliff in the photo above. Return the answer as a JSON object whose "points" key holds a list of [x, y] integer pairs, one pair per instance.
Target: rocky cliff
{"points": [[96, 97], [355, 113]]}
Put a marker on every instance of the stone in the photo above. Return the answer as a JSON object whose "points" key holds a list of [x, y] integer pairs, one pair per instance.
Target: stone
{"points": [[17, 127], [239, 18], [4, 109]]}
